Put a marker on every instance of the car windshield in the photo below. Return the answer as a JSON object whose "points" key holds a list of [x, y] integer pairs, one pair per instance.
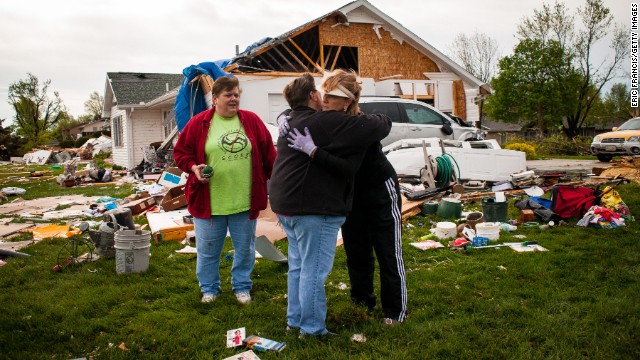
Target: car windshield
{"points": [[633, 124]]}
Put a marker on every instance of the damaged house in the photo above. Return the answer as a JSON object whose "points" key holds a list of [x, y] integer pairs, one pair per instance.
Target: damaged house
{"points": [[391, 60]]}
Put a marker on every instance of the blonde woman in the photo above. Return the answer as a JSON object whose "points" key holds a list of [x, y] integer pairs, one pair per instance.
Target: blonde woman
{"points": [[311, 200], [374, 223]]}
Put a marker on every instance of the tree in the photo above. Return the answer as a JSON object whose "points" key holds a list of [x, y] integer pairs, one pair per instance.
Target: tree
{"points": [[12, 142], [556, 24], [536, 85], [36, 112], [477, 53], [94, 105], [614, 106]]}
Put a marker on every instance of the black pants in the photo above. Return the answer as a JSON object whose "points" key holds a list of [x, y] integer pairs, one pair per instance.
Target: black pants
{"points": [[375, 224]]}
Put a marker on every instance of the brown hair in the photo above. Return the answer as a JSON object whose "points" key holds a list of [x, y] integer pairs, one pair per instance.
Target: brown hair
{"points": [[348, 80], [297, 92], [224, 83]]}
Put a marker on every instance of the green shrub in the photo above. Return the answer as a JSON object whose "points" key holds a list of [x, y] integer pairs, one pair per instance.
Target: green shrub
{"points": [[81, 140], [98, 159], [559, 144], [530, 150], [67, 144]]}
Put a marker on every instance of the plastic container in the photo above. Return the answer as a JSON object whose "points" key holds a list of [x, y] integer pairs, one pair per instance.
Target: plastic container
{"points": [[429, 207], [494, 211], [490, 230], [132, 250], [474, 218], [445, 230], [104, 239], [449, 208]]}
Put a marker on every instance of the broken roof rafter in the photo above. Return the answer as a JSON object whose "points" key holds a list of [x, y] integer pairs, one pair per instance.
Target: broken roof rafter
{"points": [[293, 68], [297, 59], [318, 67]]}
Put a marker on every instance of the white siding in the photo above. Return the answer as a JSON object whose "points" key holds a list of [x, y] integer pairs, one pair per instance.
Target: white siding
{"points": [[119, 154], [147, 129], [473, 113]]}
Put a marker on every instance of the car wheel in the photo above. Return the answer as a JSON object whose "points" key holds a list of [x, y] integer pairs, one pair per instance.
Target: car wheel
{"points": [[604, 158]]}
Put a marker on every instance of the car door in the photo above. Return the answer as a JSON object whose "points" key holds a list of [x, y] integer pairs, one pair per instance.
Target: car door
{"points": [[423, 122], [392, 110]]}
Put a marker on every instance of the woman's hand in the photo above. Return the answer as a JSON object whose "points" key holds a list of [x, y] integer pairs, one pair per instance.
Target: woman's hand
{"points": [[197, 171], [303, 143]]}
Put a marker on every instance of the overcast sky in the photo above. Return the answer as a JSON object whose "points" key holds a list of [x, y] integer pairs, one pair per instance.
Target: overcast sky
{"points": [[74, 43]]}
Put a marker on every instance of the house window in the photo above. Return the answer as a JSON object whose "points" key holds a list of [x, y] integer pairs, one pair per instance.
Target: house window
{"points": [[117, 131], [168, 122]]}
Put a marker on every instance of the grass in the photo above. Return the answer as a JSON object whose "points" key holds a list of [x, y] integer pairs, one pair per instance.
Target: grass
{"points": [[578, 300]]}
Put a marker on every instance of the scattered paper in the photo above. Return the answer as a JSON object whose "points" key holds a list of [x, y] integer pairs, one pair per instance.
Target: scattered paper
{"points": [[187, 250], [247, 355], [519, 247], [426, 245], [235, 337]]}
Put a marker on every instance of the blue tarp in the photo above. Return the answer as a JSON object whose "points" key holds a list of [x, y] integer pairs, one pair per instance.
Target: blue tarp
{"points": [[190, 99]]}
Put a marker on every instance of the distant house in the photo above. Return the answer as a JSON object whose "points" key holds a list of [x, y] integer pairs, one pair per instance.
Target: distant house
{"points": [[87, 129], [138, 104], [390, 59], [500, 131]]}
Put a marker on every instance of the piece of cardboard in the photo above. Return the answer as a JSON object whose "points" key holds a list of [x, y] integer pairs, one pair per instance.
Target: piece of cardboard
{"points": [[172, 176], [174, 199], [138, 206], [269, 251], [167, 226]]}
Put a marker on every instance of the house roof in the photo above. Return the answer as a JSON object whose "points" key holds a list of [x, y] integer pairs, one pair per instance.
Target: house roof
{"points": [[499, 126], [353, 12], [130, 88]]}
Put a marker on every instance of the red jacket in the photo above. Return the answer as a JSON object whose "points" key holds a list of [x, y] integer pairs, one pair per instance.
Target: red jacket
{"points": [[189, 151]]}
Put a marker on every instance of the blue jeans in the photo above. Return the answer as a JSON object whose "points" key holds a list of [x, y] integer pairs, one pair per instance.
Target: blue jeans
{"points": [[210, 236], [312, 247]]}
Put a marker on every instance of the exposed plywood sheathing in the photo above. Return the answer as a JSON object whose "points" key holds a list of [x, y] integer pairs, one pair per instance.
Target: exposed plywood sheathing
{"points": [[377, 57], [460, 107]]}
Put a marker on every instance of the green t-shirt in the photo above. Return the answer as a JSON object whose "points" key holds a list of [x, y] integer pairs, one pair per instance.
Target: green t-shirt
{"points": [[228, 152]]}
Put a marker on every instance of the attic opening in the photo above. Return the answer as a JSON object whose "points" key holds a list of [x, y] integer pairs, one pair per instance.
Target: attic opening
{"points": [[340, 57], [297, 53]]}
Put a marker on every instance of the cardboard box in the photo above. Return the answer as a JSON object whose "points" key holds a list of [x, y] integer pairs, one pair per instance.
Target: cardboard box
{"points": [[172, 176], [174, 199], [141, 205], [167, 226]]}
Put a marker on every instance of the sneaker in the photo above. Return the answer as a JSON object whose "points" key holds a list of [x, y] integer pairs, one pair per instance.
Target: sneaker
{"points": [[207, 298], [292, 328], [326, 335], [243, 297], [390, 322]]}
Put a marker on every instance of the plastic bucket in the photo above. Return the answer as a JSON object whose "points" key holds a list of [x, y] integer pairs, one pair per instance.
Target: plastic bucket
{"points": [[445, 230], [494, 211], [489, 230], [474, 218], [429, 207], [121, 216], [103, 239], [449, 208], [132, 250]]}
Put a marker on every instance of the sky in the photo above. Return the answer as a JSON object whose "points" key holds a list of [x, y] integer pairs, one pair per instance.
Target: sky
{"points": [[74, 43]]}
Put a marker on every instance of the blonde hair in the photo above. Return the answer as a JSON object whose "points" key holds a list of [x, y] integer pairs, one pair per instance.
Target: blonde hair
{"points": [[347, 80]]}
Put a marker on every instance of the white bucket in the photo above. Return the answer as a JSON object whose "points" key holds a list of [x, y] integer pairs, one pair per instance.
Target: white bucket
{"points": [[490, 230], [445, 230], [132, 250]]}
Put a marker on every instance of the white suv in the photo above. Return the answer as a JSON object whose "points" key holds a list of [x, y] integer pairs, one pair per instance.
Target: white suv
{"points": [[415, 119]]}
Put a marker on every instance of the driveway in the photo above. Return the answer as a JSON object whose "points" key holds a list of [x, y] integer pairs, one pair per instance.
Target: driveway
{"points": [[573, 166]]}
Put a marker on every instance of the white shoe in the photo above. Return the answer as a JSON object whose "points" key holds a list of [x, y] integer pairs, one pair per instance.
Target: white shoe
{"points": [[207, 298], [243, 297]]}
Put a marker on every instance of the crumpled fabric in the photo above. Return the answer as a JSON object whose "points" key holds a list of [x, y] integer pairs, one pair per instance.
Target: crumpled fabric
{"points": [[601, 217]]}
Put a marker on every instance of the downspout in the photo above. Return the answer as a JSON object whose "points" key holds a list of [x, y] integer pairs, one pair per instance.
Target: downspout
{"points": [[130, 160]]}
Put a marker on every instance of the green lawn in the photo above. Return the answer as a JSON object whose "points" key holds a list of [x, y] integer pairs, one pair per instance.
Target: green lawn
{"points": [[578, 300]]}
